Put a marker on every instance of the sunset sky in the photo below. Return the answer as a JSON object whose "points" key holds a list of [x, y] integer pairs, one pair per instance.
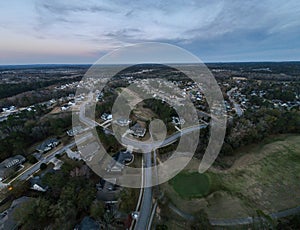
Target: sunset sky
{"points": [[56, 31]]}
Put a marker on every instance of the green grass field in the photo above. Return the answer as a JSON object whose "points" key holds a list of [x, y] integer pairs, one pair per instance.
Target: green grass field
{"points": [[268, 177], [264, 177], [191, 185]]}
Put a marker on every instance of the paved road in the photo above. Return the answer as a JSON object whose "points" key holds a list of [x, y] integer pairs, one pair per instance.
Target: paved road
{"points": [[146, 146], [89, 122], [250, 220], [146, 205], [285, 213], [26, 174], [149, 146], [236, 221], [152, 215], [83, 118], [181, 213], [239, 111]]}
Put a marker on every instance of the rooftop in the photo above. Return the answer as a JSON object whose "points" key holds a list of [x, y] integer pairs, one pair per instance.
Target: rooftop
{"points": [[138, 130], [47, 145]]}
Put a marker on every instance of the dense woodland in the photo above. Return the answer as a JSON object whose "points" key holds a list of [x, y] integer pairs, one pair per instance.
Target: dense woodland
{"points": [[19, 132], [8, 90], [71, 197], [257, 125]]}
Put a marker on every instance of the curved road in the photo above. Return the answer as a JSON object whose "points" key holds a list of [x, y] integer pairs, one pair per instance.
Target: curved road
{"points": [[181, 213], [145, 210], [147, 147], [239, 111], [236, 221]]}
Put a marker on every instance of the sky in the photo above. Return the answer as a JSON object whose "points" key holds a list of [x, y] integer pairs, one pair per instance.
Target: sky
{"points": [[56, 31]]}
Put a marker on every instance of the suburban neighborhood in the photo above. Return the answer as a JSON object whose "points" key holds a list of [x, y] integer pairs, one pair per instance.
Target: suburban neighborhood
{"points": [[64, 156]]}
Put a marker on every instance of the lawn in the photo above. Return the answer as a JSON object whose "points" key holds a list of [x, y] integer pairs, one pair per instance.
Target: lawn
{"points": [[268, 177], [265, 177], [191, 185]]}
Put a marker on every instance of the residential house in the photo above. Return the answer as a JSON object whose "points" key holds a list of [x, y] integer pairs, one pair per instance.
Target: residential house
{"points": [[138, 130], [7, 219], [38, 155], [65, 107], [106, 116], [123, 121], [75, 130], [37, 185], [9, 109], [71, 103], [47, 145], [109, 184], [73, 155], [178, 121], [120, 159], [88, 224], [57, 163], [9, 166]]}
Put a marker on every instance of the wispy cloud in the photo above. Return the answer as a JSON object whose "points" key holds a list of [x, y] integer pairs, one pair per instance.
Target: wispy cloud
{"points": [[178, 20], [100, 26]]}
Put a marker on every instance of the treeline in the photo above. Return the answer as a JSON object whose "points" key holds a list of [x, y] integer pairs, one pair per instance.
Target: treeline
{"points": [[19, 132], [279, 91], [101, 108], [163, 110], [280, 94], [290, 68], [110, 143], [33, 97], [8, 90], [256, 125], [291, 222], [67, 200]]}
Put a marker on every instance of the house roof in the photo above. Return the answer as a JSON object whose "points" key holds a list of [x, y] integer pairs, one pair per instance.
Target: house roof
{"points": [[9, 162], [123, 157], [75, 130], [88, 224], [46, 144], [7, 166], [37, 181], [7, 220], [138, 130], [106, 116], [120, 159], [108, 183], [123, 121]]}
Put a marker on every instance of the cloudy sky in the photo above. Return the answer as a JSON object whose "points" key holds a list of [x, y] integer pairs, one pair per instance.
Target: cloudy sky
{"points": [[56, 31]]}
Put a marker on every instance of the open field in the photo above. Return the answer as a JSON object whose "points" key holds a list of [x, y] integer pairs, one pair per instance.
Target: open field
{"points": [[132, 97], [191, 185], [270, 177], [143, 113], [265, 177]]}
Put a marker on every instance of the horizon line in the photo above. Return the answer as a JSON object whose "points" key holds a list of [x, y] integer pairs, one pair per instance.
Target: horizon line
{"points": [[208, 62]]}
